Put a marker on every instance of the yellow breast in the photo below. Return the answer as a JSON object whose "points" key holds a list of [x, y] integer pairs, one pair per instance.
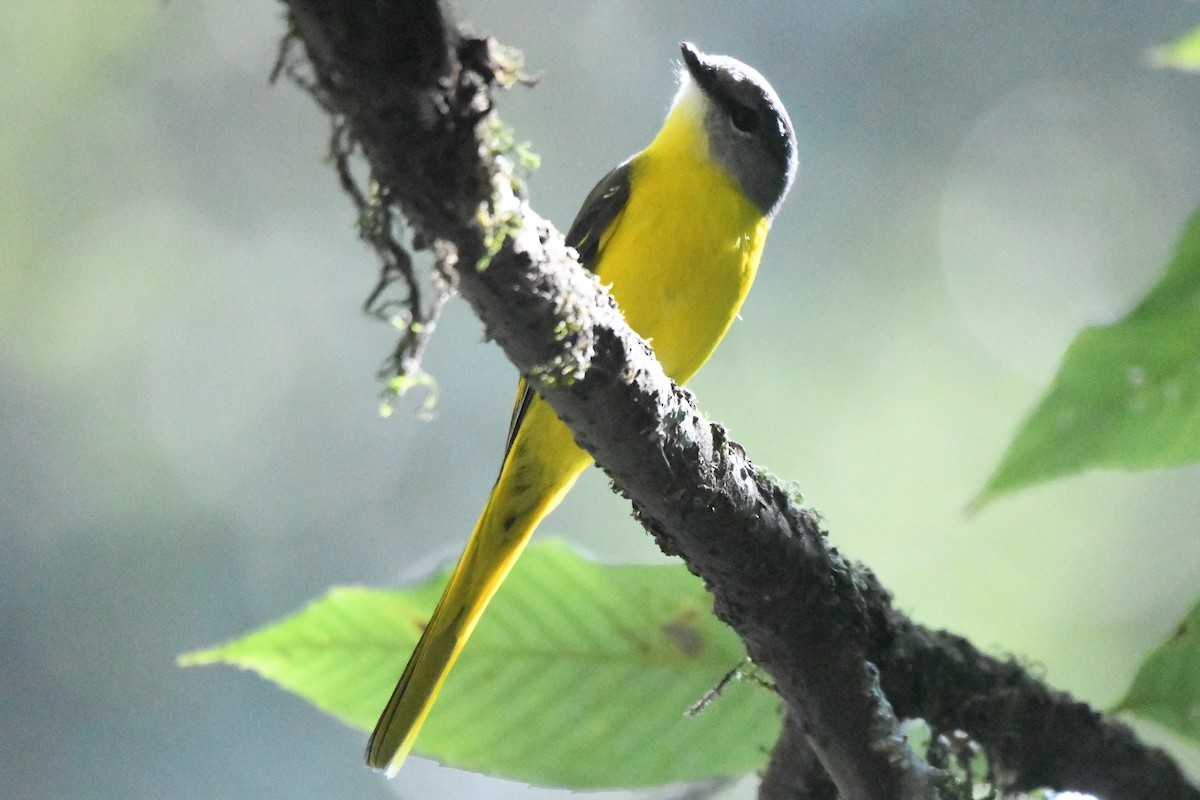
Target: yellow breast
{"points": [[682, 255]]}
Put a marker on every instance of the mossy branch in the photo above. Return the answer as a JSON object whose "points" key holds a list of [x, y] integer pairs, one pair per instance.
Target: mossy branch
{"points": [[413, 94]]}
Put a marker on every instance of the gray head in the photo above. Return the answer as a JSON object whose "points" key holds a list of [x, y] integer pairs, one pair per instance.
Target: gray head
{"points": [[749, 133]]}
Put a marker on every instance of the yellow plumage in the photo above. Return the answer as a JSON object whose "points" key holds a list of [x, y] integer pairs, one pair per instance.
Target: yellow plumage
{"points": [[679, 258]]}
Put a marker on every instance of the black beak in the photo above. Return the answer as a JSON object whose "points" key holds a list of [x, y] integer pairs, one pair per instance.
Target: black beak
{"points": [[698, 65]]}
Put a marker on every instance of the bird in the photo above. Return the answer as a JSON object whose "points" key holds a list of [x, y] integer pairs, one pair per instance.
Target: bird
{"points": [[676, 231]]}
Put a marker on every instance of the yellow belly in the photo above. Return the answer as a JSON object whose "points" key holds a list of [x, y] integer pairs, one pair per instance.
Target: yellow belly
{"points": [[681, 256]]}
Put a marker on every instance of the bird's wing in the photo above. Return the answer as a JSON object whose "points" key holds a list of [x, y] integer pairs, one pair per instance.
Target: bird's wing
{"points": [[599, 211]]}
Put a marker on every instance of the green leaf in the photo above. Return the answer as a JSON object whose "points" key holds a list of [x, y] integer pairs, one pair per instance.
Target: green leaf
{"points": [[1167, 687], [1127, 395], [1183, 54], [578, 675]]}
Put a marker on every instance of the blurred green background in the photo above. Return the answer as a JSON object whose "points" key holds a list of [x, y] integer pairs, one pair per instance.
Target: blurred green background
{"points": [[189, 439]]}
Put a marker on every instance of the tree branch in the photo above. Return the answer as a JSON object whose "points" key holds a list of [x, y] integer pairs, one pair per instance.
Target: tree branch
{"points": [[414, 94], [1034, 736], [794, 771]]}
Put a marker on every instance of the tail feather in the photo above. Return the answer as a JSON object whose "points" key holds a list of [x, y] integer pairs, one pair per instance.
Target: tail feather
{"points": [[471, 587], [528, 488]]}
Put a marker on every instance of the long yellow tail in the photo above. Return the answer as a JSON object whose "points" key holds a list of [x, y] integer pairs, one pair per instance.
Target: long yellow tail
{"points": [[541, 465]]}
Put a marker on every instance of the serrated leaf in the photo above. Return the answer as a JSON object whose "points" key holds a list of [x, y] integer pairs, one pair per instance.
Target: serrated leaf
{"points": [[1127, 395], [1167, 686], [1182, 54], [578, 675]]}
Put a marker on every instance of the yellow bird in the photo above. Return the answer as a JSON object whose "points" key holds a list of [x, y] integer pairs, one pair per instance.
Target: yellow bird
{"points": [[677, 232]]}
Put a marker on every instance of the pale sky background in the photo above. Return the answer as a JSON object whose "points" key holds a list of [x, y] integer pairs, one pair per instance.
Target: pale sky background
{"points": [[189, 439]]}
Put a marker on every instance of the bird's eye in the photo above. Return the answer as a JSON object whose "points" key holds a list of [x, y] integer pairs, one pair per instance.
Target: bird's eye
{"points": [[744, 118]]}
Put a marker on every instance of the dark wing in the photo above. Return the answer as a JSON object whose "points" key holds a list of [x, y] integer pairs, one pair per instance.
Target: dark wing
{"points": [[600, 209]]}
